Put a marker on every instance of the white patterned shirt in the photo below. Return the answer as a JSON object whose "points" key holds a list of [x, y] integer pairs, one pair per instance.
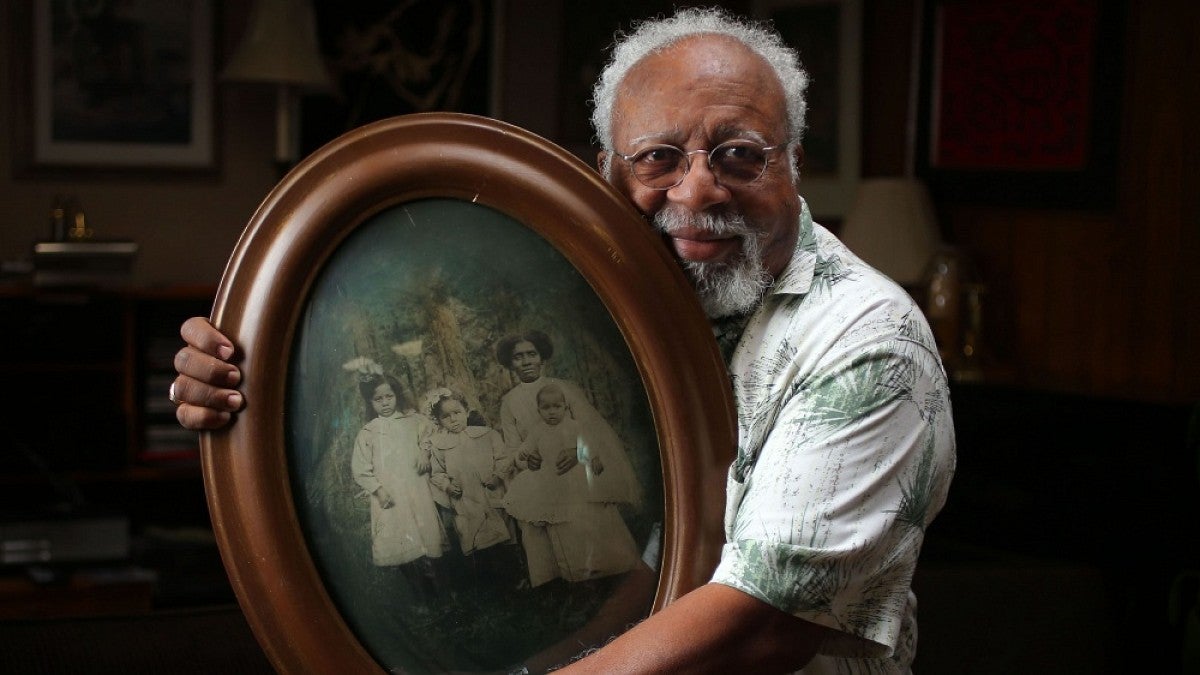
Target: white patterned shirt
{"points": [[845, 454]]}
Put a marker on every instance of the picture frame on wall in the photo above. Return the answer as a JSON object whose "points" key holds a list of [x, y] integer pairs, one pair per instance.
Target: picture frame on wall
{"points": [[388, 59], [828, 36], [420, 292], [1019, 102], [114, 86]]}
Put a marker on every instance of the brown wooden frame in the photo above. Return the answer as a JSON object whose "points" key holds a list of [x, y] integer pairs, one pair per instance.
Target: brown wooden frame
{"points": [[292, 236]]}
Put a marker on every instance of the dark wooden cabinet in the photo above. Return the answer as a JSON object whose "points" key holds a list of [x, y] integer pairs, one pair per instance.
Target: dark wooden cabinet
{"points": [[88, 374], [97, 479]]}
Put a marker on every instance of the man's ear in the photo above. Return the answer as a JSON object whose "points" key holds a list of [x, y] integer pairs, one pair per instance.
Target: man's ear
{"points": [[798, 157], [600, 158]]}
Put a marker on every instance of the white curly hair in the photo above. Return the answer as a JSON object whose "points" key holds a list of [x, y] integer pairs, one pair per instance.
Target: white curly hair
{"points": [[654, 35]]}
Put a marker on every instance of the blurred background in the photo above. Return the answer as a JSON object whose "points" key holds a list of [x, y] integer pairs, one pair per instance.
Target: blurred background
{"points": [[1027, 170]]}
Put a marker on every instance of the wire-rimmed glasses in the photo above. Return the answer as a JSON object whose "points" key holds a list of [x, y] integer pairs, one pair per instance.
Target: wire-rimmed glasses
{"points": [[733, 163]]}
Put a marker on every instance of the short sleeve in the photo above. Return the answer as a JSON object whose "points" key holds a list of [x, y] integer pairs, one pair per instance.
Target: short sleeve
{"points": [[827, 518]]}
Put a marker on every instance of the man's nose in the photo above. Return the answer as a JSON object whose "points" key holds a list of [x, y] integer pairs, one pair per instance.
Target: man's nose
{"points": [[699, 189]]}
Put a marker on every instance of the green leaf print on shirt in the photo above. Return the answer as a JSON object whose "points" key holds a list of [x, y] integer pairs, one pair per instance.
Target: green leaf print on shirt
{"points": [[847, 395]]}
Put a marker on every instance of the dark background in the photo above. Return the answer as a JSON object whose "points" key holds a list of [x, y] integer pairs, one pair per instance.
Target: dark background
{"points": [[1075, 503]]}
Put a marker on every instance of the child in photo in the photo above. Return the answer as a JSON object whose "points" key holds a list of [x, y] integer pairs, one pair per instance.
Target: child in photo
{"points": [[392, 468], [470, 471], [565, 497]]}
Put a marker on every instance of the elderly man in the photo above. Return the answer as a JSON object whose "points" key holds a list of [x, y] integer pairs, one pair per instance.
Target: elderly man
{"points": [[845, 447]]}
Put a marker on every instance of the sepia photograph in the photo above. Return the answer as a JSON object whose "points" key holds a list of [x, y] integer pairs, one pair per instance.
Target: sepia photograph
{"points": [[471, 448]]}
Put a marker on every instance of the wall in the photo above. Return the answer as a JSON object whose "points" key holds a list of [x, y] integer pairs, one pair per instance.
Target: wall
{"points": [[1104, 302], [185, 227]]}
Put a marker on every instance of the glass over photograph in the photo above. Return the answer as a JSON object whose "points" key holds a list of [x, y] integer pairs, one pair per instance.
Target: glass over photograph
{"points": [[471, 449]]}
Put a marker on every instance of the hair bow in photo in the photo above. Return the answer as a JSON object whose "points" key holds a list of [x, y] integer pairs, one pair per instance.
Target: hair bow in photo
{"points": [[364, 368]]}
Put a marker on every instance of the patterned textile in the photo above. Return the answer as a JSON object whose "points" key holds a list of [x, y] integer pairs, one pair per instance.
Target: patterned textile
{"points": [[845, 454]]}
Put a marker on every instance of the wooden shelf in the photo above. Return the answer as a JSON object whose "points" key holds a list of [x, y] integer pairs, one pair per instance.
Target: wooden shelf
{"points": [[130, 474], [103, 353]]}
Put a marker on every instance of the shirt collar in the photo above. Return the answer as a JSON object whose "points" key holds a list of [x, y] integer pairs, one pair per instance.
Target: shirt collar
{"points": [[797, 276]]}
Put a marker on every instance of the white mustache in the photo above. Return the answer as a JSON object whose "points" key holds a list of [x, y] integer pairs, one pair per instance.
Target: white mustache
{"points": [[673, 219]]}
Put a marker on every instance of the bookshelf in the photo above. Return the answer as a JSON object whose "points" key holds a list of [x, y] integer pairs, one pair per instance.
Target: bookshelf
{"points": [[94, 366], [92, 439]]}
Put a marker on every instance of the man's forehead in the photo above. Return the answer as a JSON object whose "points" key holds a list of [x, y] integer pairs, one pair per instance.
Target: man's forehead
{"points": [[660, 95], [702, 56]]}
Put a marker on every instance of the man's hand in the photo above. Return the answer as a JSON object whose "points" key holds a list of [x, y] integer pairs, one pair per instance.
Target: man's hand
{"points": [[203, 389]]}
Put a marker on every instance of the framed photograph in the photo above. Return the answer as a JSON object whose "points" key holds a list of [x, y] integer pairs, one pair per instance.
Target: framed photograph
{"points": [[828, 35], [487, 425], [1018, 101], [113, 85]]}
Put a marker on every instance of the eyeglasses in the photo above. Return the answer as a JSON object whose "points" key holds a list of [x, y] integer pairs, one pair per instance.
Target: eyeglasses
{"points": [[733, 163]]}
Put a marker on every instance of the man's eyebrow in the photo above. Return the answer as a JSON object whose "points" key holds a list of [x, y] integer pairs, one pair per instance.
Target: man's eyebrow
{"points": [[725, 132], [657, 137], [720, 134]]}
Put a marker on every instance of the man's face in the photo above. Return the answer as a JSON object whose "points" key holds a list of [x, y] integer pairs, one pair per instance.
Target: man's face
{"points": [[700, 92]]}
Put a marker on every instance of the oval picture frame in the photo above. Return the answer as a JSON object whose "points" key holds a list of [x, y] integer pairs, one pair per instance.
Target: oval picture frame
{"points": [[267, 299]]}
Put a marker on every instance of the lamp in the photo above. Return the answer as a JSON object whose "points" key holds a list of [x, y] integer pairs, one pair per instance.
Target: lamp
{"points": [[892, 226], [280, 47]]}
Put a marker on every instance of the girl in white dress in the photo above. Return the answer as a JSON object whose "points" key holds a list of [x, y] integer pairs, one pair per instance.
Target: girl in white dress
{"points": [[392, 468], [470, 469]]}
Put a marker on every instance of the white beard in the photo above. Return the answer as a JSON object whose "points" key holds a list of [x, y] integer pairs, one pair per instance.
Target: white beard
{"points": [[725, 288]]}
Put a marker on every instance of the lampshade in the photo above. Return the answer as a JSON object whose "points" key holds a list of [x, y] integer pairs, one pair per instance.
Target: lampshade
{"points": [[892, 226], [280, 46]]}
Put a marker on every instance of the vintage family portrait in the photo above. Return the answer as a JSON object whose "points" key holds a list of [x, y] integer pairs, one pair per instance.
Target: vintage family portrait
{"points": [[471, 450]]}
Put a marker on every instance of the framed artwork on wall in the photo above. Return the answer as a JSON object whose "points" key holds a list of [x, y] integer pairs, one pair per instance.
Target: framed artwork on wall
{"points": [[828, 35], [113, 86], [391, 58], [487, 414], [1018, 102]]}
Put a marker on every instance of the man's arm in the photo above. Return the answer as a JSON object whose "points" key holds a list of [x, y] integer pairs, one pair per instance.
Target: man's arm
{"points": [[203, 389], [713, 629]]}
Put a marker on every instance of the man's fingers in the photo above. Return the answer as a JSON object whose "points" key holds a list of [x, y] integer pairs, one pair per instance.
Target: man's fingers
{"points": [[197, 418], [193, 392], [199, 333], [193, 363]]}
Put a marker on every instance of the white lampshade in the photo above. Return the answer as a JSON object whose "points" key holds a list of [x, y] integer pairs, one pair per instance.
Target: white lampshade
{"points": [[280, 46], [892, 226]]}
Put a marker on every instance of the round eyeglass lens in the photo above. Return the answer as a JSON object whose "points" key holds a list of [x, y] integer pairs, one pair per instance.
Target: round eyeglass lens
{"points": [[660, 166], [738, 163]]}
